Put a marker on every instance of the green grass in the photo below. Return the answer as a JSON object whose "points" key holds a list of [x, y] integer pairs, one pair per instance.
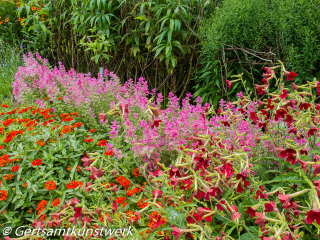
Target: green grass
{"points": [[10, 60]]}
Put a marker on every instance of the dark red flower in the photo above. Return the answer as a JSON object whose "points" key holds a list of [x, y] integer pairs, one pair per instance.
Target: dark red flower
{"points": [[242, 176], [291, 158], [291, 76], [304, 151], [156, 122], [254, 117], [269, 105], [240, 189], [219, 206], [265, 81], [264, 112], [77, 212], [304, 105], [251, 211], [225, 123], [316, 168], [312, 131], [212, 192], [262, 124], [293, 131], [313, 215], [270, 207], [285, 199], [241, 110], [284, 94], [288, 120], [229, 83], [259, 192], [280, 113], [260, 89], [174, 172]]}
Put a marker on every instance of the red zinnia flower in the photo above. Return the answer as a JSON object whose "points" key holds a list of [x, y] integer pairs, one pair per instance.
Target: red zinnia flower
{"points": [[3, 195], [15, 168], [102, 143], [88, 140], [50, 185], [37, 162], [55, 202], [108, 153]]}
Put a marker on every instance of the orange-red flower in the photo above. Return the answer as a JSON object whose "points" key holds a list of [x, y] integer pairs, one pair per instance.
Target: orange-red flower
{"points": [[15, 168], [8, 177], [3, 195], [123, 181], [136, 172], [88, 140], [55, 202], [50, 185], [142, 203], [74, 184], [108, 153], [37, 162], [40, 143], [91, 130]]}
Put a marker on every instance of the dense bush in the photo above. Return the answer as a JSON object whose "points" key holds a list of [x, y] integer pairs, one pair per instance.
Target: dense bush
{"points": [[184, 172], [10, 25], [10, 60], [245, 36]]}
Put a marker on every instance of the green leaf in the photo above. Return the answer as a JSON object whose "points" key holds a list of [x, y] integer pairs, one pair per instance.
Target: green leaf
{"points": [[247, 236], [20, 203], [142, 18], [176, 218]]}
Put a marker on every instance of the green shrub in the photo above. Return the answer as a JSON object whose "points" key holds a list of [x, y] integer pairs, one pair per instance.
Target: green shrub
{"points": [[10, 60], [243, 36]]}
